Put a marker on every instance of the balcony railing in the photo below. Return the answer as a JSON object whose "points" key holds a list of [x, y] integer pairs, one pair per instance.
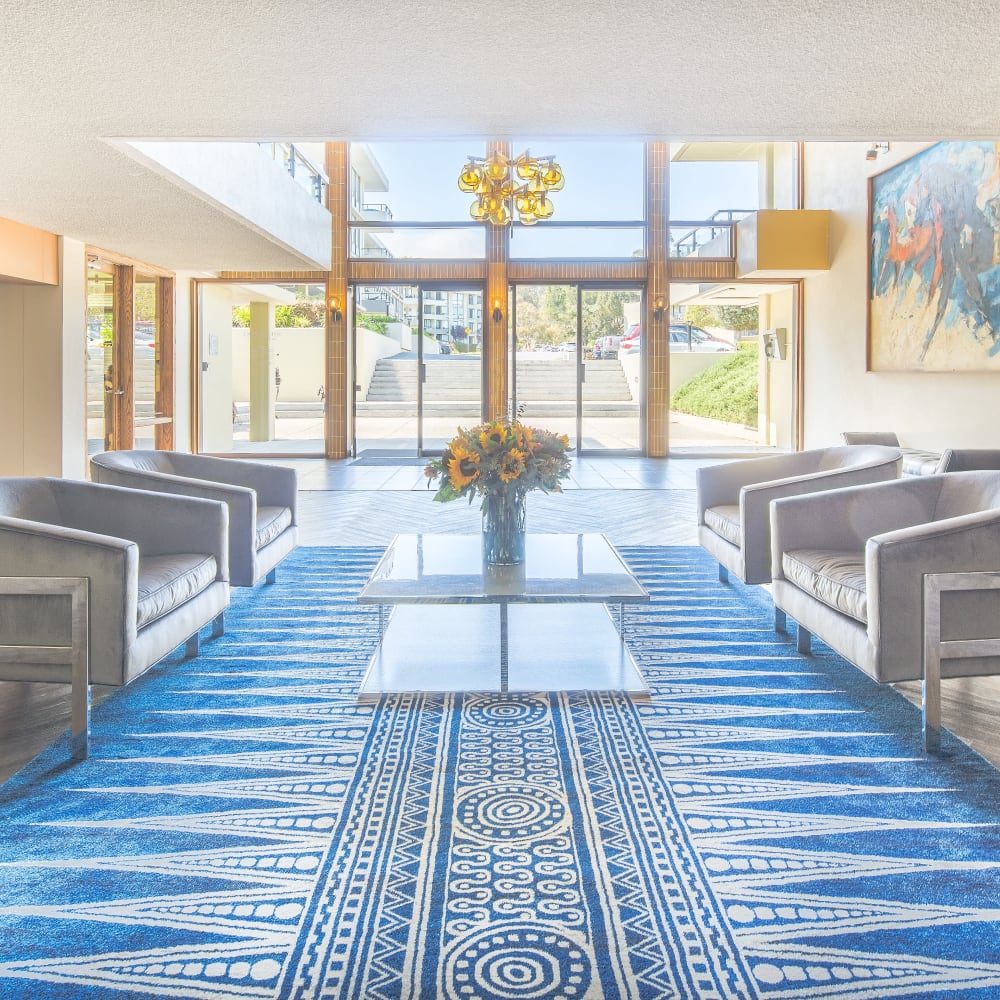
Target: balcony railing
{"points": [[376, 212], [300, 167], [712, 237]]}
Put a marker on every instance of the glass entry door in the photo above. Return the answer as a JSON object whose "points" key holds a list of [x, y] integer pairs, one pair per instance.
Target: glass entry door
{"points": [[417, 368], [612, 371], [543, 376], [569, 372], [130, 368]]}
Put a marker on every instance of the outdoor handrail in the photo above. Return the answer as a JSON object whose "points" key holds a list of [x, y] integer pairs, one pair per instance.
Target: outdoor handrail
{"points": [[292, 157], [687, 243]]}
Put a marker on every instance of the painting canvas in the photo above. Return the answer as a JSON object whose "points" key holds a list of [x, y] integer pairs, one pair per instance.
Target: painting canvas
{"points": [[934, 261]]}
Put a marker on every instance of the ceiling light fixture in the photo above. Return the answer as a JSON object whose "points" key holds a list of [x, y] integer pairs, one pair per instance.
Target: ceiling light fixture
{"points": [[506, 188]]}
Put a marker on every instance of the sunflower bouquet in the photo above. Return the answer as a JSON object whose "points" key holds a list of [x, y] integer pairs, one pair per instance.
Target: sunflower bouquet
{"points": [[500, 457]]}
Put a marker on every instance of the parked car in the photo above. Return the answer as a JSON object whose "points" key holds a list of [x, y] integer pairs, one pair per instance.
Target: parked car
{"points": [[687, 337], [568, 345], [444, 347], [683, 337], [608, 347], [631, 343]]}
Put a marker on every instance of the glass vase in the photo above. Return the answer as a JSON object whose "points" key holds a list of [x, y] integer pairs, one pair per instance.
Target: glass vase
{"points": [[503, 528]]}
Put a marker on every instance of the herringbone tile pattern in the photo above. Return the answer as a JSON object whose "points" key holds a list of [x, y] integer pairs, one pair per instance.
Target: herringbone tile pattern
{"points": [[373, 517]]}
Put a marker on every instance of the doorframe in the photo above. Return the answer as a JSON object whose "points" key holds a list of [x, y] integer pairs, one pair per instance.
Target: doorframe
{"points": [[581, 286], [421, 287], [119, 402]]}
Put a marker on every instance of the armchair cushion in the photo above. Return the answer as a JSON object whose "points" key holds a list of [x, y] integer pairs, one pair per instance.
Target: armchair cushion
{"points": [[262, 499], [724, 520], [835, 578], [271, 522], [167, 582]]}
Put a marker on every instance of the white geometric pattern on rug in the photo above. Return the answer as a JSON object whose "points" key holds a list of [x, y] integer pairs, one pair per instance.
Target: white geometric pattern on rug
{"points": [[245, 829]]}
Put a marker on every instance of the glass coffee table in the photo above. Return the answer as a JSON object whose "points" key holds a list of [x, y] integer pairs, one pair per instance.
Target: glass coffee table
{"points": [[455, 624]]}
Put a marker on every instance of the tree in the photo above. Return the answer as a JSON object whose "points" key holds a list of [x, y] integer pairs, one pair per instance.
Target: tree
{"points": [[738, 318]]}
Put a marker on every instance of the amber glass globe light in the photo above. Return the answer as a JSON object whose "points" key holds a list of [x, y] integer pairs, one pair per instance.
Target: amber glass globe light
{"points": [[506, 187], [470, 178]]}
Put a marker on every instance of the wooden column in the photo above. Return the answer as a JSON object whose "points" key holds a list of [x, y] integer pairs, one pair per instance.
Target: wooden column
{"points": [[656, 331], [120, 406], [164, 369], [496, 342], [338, 392]]}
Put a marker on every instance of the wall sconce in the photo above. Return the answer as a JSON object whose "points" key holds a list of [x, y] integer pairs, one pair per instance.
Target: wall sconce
{"points": [[876, 149], [335, 309], [497, 311], [658, 306]]}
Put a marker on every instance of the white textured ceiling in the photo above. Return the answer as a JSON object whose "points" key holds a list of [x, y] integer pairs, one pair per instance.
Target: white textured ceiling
{"points": [[73, 73]]}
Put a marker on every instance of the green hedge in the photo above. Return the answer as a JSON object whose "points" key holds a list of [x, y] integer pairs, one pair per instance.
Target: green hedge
{"points": [[726, 391]]}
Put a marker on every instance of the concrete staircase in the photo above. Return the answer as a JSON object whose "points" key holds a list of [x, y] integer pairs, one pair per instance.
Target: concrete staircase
{"points": [[453, 386]]}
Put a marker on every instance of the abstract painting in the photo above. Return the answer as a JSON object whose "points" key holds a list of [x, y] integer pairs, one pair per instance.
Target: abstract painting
{"points": [[933, 254]]}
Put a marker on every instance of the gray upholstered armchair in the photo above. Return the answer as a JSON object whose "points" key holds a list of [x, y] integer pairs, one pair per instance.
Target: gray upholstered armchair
{"points": [[155, 569], [732, 498], [916, 461], [262, 500], [851, 567], [969, 459]]}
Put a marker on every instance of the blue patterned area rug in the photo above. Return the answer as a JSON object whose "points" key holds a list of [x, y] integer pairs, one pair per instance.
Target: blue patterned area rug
{"points": [[764, 826]]}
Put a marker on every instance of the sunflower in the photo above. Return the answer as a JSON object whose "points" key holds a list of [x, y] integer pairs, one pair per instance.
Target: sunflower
{"points": [[462, 464], [511, 465], [492, 437], [523, 437]]}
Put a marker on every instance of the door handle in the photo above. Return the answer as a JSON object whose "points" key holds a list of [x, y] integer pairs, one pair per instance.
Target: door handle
{"points": [[583, 373], [423, 372]]}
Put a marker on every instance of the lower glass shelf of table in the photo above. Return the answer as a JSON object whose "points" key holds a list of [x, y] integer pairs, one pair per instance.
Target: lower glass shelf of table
{"points": [[553, 623]]}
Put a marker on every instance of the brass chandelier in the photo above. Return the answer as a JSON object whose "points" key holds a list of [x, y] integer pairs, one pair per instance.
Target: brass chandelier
{"points": [[506, 188]]}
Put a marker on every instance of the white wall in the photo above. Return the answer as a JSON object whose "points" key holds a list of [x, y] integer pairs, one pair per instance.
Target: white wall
{"points": [[777, 377], [215, 315], [244, 181], [933, 411], [182, 360]]}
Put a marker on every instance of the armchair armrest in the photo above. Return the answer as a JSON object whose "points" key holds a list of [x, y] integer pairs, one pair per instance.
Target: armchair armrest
{"points": [[844, 519], [721, 484], [755, 503], [895, 564], [159, 523], [31, 548], [275, 485]]}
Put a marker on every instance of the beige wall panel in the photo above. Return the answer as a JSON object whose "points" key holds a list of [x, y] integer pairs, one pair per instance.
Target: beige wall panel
{"points": [[28, 254], [12, 379]]}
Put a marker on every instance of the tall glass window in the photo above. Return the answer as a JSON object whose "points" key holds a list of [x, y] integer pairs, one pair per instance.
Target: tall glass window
{"points": [[396, 186]]}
